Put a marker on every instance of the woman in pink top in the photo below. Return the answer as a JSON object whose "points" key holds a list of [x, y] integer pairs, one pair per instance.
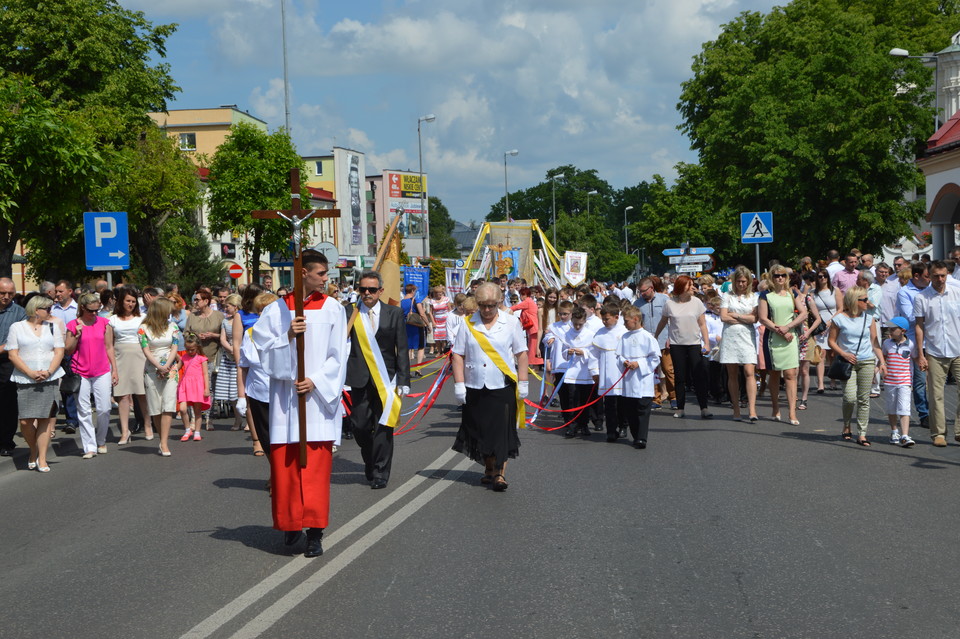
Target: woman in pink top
{"points": [[85, 341]]}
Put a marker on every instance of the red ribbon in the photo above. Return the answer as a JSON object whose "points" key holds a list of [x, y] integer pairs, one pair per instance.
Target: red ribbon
{"points": [[579, 409]]}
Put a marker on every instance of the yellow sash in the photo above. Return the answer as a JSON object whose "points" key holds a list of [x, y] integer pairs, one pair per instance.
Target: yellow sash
{"points": [[378, 373], [501, 364]]}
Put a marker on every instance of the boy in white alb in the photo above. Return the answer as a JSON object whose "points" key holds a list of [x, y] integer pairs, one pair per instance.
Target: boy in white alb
{"points": [[898, 383], [604, 349], [581, 371], [556, 360], [639, 352]]}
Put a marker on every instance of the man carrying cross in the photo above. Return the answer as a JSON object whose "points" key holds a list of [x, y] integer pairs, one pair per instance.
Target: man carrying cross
{"points": [[301, 492]]}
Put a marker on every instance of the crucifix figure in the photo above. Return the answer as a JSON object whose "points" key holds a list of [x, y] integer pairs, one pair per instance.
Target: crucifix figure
{"points": [[297, 216]]}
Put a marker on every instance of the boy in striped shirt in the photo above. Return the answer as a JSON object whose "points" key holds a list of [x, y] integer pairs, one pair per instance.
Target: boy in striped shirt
{"points": [[897, 353]]}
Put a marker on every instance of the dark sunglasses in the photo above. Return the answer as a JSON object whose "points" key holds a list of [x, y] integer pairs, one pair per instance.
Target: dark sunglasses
{"points": [[368, 289], [779, 274], [862, 299]]}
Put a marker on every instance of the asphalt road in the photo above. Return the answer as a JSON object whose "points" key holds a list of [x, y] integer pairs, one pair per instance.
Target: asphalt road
{"points": [[718, 529]]}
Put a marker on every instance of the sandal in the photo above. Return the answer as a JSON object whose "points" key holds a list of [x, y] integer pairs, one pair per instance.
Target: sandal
{"points": [[486, 479], [863, 442], [847, 436], [802, 404], [499, 483]]}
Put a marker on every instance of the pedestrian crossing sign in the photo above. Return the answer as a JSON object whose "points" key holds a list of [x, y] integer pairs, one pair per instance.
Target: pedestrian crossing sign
{"points": [[756, 228]]}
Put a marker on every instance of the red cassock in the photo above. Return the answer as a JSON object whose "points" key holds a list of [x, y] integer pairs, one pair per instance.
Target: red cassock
{"points": [[301, 496]]}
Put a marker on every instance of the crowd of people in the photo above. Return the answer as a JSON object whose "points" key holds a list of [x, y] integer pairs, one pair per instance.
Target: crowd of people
{"points": [[609, 355]]}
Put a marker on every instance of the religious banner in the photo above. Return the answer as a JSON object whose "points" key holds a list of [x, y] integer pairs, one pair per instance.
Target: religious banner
{"points": [[456, 280], [575, 267], [420, 276], [507, 263]]}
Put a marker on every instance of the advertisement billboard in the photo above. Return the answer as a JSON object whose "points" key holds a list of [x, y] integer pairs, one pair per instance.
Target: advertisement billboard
{"points": [[405, 185]]}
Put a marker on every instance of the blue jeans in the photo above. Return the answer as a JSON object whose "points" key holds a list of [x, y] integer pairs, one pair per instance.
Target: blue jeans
{"points": [[70, 408], [919, 390]]}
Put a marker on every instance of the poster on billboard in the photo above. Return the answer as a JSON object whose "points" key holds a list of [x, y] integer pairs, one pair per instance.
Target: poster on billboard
{"points": [[404, 185], [420, 277], [356, 204], [413, 224]]}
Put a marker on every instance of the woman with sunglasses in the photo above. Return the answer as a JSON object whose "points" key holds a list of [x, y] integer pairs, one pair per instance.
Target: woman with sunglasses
{"points": [[829, 300], [853, 336], [781, 313], [86, 342], [206, 323]]}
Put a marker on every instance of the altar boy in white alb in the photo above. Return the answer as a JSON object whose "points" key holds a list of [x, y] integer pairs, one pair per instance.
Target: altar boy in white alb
{"points": [[639, 352], [609, 385], [301, 496]]}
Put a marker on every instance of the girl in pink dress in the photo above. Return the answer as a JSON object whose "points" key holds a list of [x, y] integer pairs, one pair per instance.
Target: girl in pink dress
{"points": [[193, 391]]}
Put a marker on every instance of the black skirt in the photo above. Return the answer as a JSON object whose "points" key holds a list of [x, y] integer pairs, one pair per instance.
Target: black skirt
{"points": [[489, 425]]}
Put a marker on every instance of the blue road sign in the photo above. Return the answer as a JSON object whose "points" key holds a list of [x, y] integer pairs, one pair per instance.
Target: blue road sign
{"points": [[700, 250], [106, 241], [756, 228], [669, 252]]}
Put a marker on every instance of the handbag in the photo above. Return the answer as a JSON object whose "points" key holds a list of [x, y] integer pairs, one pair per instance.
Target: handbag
{"points": [[413, 317], [841, 369], [816, 354]]}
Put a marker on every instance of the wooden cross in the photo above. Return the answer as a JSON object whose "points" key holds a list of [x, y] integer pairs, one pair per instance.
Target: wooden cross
{"points": [[297, 216]]}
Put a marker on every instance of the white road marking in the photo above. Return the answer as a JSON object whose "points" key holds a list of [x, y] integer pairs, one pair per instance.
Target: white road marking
{"points": [[221, 617]]}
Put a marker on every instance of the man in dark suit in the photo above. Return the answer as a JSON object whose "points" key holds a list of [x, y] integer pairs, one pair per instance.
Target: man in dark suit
{"points": [[387, 328]]}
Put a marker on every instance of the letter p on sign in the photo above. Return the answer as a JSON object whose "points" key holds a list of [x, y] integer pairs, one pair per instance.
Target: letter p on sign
{"points": [[104, 228]]}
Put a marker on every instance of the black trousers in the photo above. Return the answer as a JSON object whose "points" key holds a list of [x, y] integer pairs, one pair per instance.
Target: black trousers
{"points": [[689, 364], [9, 421], [636, 410], [581, 394], [375, 441], [260, 414], [614, 415]]}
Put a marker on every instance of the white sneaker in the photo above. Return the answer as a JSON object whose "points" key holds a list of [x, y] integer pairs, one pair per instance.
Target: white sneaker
{"points": [[895, 437], [906, 441]]}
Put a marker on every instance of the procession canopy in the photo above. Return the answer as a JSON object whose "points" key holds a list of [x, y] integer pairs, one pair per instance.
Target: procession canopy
{"points": [[508, 248]]}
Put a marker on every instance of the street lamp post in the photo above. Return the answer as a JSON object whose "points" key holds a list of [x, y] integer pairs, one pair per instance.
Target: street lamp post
{"points": [[903, 53], [506, 191], [426, 118], [553, 204], [589, 193], [626, 241]]}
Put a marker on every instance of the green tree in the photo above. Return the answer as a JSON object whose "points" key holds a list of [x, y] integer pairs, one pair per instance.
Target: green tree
{"points": [[797, 112], [77, 76], [250, 172], [583, 232], [195, 263], [442, 243], [159, 188], [48, 160]]}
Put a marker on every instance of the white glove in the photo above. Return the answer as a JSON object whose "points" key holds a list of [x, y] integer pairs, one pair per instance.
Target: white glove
{"points": [[403, 391], [242, 406], [460, 392], [524, 388]]}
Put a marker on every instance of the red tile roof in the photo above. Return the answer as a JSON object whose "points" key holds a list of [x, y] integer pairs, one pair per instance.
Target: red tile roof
{"points": [[946, 137]]}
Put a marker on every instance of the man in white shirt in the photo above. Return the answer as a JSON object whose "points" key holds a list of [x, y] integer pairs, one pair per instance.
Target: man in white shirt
{"points": [[955, 256], [833, 263], [937, 311]]}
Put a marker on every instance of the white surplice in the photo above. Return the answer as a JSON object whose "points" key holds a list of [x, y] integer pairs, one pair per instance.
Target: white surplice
{"points": [[325, 360]]}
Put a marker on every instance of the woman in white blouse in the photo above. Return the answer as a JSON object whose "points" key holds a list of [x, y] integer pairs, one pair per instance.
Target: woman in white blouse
{"points": [[488, 430], [738, 312], [126, 360], [35, 348]]}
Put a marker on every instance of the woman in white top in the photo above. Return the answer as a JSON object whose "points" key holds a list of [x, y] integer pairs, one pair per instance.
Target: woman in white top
{"points": [[829, 300], [688, 342], [126, 360], [488, 431], [738, 347], [35, 348]]}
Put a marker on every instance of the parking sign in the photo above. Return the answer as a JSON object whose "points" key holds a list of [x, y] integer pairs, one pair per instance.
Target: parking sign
{"points": [[106, 241]]}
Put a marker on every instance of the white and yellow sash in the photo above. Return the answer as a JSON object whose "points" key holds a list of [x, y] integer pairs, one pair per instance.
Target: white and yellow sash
{"points": [[501, 364], [378, 372]]}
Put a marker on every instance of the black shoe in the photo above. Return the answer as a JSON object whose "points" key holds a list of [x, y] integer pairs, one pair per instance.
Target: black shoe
{"points": [[378, 483], [611, 439], [925, 422], [348, 434], [640, 443], [585, 431], [136, 428], [598, 427], [622, 432], [314, 545], [6, 452], [290, 537], [570, 433], [69, 429]]}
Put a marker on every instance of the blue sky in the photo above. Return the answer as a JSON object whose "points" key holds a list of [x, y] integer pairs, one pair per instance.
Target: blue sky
{"points": [[593, 85]]}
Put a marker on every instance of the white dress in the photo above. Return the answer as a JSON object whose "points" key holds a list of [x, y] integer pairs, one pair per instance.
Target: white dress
{"points": [[827, 305], [738, 343]]}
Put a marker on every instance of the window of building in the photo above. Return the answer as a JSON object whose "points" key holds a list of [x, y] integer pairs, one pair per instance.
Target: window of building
{"points": [[318, 168], [188, 141]]}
